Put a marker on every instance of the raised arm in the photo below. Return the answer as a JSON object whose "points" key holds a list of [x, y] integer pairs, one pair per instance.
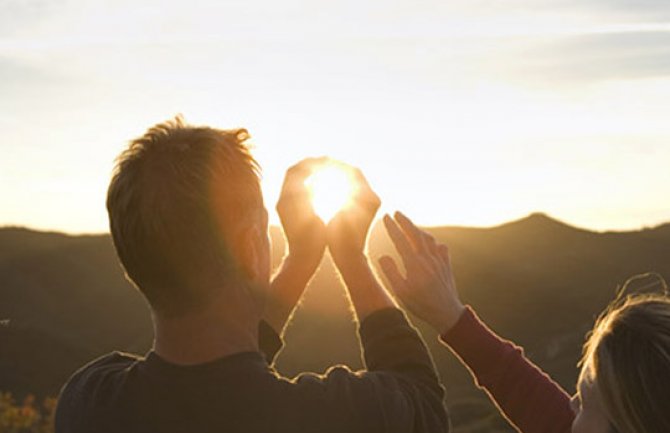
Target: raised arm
{"points": [[528, 397], [347, 240], [305, 235], [400, 381], [399, 391]]}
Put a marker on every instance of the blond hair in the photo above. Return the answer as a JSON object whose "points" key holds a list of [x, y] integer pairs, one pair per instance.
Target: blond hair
{"points": [[177, 195], [627, 356]]}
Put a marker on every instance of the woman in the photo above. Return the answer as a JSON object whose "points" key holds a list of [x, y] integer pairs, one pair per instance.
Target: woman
{"points": [[624, 384]]}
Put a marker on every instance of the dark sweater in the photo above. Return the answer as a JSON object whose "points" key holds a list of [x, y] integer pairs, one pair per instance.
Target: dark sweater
{"points": [[399, 391]]}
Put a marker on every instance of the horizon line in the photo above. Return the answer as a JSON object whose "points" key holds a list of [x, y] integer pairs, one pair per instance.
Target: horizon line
{"points": [[535, 214]]}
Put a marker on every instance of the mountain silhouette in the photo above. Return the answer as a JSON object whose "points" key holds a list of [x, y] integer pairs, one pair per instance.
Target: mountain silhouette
{"points": [[537, 281]]}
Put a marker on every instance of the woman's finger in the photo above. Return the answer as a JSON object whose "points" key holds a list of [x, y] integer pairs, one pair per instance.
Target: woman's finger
{"points": [[400, 241], [443, 250], [396, 280], [413, 233]]}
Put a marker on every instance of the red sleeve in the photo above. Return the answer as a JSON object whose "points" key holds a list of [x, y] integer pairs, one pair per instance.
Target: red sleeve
{"points": [[527, 397]]}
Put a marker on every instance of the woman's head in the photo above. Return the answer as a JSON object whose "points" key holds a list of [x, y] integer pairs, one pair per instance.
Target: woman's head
{"points": [[624, 386]]}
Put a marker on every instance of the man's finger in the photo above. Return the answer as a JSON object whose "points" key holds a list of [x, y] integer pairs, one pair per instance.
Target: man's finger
{"points": [[390, 269], [294, 193], [306, 166], [363, 195], [297, 174]]}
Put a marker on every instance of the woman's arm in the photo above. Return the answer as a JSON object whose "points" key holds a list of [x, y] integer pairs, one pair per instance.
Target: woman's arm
{"points": [[527, 397]]}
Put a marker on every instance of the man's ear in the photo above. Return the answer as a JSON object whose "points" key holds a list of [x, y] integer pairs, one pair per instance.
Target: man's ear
{"points": [[249, 248]]}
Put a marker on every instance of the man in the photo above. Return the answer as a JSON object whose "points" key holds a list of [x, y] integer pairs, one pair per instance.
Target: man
{"points": [[190, 228]]}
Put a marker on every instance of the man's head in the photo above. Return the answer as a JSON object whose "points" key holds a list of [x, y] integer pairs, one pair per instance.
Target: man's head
{"points": [[186, 215]]}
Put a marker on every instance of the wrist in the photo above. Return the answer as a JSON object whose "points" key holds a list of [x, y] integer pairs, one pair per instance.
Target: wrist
{"points": [[287, 286], [299, 268], [353, 264], [365, 293], [449, 318]]}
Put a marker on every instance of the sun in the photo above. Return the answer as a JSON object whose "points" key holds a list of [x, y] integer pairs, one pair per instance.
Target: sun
{"points": [[331, 188]]}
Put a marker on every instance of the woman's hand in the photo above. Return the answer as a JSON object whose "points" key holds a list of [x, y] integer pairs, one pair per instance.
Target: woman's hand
{"points": [[428, 290]]}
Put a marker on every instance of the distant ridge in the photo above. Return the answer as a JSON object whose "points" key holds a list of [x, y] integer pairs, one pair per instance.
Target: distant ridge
{"points": [[540, 221], [662, 230], [537, 220], [540, 226]]}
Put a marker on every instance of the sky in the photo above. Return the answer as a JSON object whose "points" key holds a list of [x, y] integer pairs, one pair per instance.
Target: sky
{"points": [[458, 112]]}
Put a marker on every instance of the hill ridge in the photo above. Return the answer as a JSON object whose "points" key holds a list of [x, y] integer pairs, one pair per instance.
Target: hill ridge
{"points": [[534, 219]]}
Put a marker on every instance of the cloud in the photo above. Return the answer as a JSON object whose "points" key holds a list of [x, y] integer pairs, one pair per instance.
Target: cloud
{"points": [[15, 14], [604, 10], [21, 82], [648, 10], [585, 58]]}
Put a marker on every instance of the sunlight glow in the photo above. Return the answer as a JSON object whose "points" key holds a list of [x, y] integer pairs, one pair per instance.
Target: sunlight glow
{"points": [[470, 113], [331, 188]]}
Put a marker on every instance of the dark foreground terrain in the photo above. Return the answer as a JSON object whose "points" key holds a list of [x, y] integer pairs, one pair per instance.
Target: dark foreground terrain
{"points": [[536, 281]]}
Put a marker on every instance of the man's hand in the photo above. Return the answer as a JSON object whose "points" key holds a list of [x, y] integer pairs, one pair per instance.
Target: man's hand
{"points": [[348, 230], [304, 230], [428, 290], [347, 238], [306, 241]]}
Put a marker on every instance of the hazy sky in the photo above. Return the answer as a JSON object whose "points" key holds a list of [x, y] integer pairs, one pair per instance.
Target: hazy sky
{"points": [[460, 112]]}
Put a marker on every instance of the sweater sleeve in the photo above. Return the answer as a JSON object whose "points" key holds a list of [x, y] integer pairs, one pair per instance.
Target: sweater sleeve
{"points": [[269, 342], [391, 344], [526, 395], [399, 392]]}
